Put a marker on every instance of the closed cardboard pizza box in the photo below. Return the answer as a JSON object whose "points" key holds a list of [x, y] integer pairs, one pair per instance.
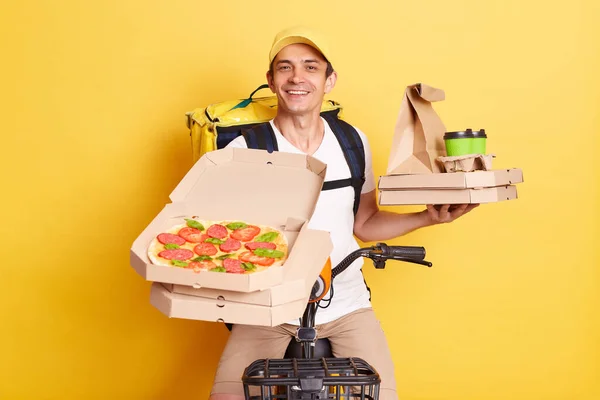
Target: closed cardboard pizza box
{"points": [[447, 196], [177, 305], [452, 180], [289, 290], [274, 189]]}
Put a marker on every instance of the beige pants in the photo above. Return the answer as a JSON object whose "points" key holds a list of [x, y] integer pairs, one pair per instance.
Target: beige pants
{"points": [[357, 334]]}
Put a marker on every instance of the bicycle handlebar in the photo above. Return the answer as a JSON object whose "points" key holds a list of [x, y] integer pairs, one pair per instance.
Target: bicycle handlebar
{"points": [[417, 253], [380, 253]]}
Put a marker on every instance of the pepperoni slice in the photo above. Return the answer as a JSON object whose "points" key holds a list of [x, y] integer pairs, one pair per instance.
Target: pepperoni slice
{"points": [[177, 254], [261, 245], [248, 256], [166, 238], [246, 234], [233, 266], [205, 249], [217, 231], [230, 245], [192, 235], [198, 266]]}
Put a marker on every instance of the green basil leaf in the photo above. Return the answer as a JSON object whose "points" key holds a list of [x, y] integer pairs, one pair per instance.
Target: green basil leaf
{"points": [[268, 253], [171, 246], [202, 258], [214, 241], [248, 266], [267, 237], [194, 224], [178, 263], [218, 269], [224, 256], [236, 225]]}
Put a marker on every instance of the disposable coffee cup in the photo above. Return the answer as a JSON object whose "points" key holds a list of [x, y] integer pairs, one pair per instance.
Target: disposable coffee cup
{"points": [[479, 142], [458, 143], [465, 142]]}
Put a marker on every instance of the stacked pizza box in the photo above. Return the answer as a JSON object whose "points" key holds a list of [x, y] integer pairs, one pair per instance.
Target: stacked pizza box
{"points": [[269, 190], [473, 187]]}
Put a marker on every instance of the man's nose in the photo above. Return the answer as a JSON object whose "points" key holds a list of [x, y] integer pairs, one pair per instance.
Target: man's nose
{"points": [[296, 77]]}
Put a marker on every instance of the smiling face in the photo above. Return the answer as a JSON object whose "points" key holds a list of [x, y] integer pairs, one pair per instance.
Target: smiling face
{"points": [[298, 79]]}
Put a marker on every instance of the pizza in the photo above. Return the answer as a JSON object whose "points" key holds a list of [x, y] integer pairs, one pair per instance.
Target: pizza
{"points": [[234, 247]]}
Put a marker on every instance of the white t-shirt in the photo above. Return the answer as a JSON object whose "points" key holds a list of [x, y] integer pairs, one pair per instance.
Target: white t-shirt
{"points": [[334, 213]]}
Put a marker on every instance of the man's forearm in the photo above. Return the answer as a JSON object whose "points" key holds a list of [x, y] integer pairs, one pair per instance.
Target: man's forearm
{"points": [[384, 225]]}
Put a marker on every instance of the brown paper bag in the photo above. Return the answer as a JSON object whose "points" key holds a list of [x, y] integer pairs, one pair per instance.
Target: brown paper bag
{"points": [[419, 133]]}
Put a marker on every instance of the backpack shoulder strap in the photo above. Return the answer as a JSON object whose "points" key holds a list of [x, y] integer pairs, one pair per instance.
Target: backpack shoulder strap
{"points": [[354, 152], [261, 137]]}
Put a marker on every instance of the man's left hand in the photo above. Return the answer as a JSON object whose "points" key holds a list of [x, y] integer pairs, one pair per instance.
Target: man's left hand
{"points": [[448, 213]]}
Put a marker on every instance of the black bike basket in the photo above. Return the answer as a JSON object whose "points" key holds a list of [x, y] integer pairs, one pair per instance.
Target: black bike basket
{"points": [[314, 379]]}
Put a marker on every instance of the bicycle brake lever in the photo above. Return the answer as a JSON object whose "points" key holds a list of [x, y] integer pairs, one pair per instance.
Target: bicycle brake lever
{"points": [[412, 260], [425, 263]]}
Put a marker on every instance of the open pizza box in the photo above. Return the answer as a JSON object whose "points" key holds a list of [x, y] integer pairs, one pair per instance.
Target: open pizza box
{"points": [[176, 305], [268, 307], [273, 189]]}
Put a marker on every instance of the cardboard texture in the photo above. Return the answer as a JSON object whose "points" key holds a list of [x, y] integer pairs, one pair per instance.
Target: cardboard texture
{"points": [[456, 180], [277, 295], [418, 134], [447, 196], [223, 185], [175, 305], [467, 163]]}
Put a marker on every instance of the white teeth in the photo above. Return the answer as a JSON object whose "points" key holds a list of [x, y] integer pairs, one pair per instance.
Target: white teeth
{"points": [[296, 92]]}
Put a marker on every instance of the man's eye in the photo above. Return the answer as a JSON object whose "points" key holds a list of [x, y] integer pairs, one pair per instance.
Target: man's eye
{"points": [[311, 67], [284, 67]]}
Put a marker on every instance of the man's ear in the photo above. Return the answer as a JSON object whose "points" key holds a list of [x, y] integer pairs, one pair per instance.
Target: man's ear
{"points": [[270, 81], [330, 82]]}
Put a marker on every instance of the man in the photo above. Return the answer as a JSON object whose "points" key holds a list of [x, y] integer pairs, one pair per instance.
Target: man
{"points": [[300, 74]]}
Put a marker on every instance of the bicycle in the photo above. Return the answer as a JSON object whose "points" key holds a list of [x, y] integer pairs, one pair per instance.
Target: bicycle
{"points": [[308, 369]]}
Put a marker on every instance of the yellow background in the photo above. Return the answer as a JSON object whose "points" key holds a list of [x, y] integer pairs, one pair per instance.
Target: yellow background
{"points": [[93, 141]]}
